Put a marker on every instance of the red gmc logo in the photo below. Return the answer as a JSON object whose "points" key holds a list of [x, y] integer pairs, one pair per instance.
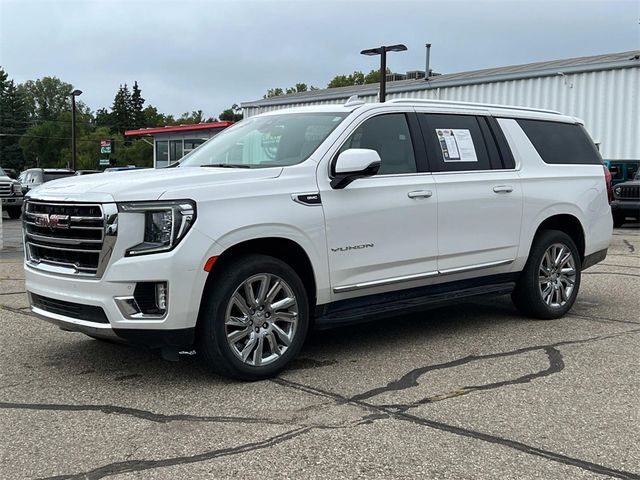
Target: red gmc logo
{"points": [[51, 221]]}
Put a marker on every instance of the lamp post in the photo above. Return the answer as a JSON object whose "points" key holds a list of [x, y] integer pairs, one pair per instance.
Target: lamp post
{"points": [[74, 94], [382, 51]]}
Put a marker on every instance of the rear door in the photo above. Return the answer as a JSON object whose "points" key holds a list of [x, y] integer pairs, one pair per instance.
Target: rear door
{"points": [[479, 192]]}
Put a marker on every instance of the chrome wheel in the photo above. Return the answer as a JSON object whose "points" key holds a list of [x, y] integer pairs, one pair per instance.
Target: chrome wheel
{"points": [[557, 275], [261, 319]]}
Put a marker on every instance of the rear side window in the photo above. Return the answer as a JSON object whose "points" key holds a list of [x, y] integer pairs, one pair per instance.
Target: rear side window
{"points": [[455, 142], [561, 143]]}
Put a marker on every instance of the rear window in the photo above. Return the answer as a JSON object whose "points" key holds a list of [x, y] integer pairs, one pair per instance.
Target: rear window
{"points": [[561, 143], [55, 175]]}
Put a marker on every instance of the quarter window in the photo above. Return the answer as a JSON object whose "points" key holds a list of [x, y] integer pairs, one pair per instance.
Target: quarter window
{"points": [[389, 136], [561, 143]]}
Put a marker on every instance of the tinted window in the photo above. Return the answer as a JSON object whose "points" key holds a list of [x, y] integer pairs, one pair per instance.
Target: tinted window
{"points": [[455, 142], [389, 136], [55, 175], [162, 153], [559, 143]]}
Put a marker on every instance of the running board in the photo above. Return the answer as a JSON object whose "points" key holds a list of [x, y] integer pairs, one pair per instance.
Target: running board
{"points": [[356, 310]]}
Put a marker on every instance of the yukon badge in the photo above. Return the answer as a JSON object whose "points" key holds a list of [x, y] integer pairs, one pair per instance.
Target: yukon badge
{"points": [[352, 247]]}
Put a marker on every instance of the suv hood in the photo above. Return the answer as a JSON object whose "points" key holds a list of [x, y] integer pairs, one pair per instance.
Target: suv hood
{"points": [[145, 184]]}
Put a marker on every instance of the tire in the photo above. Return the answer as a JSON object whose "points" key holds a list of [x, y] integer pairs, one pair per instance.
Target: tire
{"points": [[618, 220], [536, 294], [14, 212], [227, 310]]}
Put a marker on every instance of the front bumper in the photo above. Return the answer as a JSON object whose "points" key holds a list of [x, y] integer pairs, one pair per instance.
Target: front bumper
{"points": [[12, 202], [630, 208], [181, 268]]}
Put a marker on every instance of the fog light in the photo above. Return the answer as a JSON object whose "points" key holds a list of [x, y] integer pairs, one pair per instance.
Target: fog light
{"points": [[161, 296], [149, 301]]}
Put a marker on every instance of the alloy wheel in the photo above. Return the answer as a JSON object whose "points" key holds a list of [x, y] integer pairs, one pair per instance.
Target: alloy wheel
{"points": [[261, 319], [557, 275]]}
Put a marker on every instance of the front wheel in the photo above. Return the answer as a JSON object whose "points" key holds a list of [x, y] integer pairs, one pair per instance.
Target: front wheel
{"points": [[254, 318], [549, 283], [14, 212]]}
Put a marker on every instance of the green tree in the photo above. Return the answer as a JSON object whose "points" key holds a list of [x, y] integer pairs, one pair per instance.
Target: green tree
{"points": [[233, 114], [137, 106], [42, 144], [14, 121], [121, 113], [299, 87], [103, 118], [274, 92], [47, 97]]}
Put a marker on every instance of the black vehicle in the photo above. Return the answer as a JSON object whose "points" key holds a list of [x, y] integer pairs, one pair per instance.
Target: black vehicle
{"points": [[626, 203], [34, 177]]}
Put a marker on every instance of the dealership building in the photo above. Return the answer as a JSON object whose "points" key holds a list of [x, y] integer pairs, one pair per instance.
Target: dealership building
{"points": [[602, 90], [172, 143]]}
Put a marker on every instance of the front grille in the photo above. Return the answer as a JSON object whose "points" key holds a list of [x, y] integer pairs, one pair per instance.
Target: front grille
{"points": [[5, 189], [67, 235], [69, 309], [628, 191]]}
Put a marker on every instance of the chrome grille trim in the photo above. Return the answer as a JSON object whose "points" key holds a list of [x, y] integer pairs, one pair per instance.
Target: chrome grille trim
{"points": [[5, 189], [79, 246], [628, 191]]}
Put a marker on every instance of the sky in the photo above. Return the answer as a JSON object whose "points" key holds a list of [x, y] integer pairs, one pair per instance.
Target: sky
{"points": [[195, 54]]}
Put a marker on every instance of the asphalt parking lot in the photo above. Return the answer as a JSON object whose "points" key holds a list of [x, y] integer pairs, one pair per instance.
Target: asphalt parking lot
{"points": [[465, 391]]}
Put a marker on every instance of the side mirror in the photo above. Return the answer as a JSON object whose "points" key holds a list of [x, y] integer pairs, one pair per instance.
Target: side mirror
{"points": [[354, 163]]}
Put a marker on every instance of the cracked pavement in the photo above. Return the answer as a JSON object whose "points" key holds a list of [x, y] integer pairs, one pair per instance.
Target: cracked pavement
{"points": [[471, 390]]}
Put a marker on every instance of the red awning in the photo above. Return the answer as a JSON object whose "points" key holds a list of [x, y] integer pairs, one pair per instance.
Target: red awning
{"points": [[177, 128]]}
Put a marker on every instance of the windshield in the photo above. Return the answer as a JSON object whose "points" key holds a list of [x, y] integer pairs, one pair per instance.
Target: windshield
{"points": [[2, 174], [48, 176], [269, 141]]}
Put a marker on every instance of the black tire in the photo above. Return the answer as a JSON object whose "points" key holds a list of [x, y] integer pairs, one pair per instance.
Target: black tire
{"points": [[212, 345], [14, 212], [618, 220], [528, 294]]}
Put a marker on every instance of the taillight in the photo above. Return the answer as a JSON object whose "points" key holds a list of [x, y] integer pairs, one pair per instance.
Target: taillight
{"points": [[607, 177]]}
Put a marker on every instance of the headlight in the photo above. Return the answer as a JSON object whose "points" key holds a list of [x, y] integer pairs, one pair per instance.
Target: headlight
{"points": [[165, 224], [617, 191], [16, 188]]}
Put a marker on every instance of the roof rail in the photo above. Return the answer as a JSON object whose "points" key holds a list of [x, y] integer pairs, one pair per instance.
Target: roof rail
{"points": [[470, 104], [353, 100]]}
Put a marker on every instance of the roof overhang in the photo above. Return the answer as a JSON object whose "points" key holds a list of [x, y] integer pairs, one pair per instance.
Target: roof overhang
{"points": [[177, 129]]}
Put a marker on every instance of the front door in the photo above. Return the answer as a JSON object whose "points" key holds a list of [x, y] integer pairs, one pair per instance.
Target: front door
{"points": [[381, 230]]}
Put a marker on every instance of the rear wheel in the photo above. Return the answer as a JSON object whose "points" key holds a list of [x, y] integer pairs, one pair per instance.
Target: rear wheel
{"points": [[549, 283], [254, 318]]}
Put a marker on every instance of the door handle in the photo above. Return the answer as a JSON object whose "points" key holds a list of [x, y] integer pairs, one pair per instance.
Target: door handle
{"points": [[420, 194], [503, 189]]}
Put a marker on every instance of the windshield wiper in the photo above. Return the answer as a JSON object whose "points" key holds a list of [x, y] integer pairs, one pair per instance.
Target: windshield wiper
{"points": [[226, 165]]}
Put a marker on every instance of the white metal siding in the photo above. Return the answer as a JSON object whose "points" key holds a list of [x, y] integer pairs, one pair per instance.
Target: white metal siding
{"points": [[608, 101]]}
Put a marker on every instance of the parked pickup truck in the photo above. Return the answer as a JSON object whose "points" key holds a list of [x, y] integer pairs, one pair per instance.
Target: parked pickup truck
{"points": [[10, 195], [321, 216], [626, 203]]}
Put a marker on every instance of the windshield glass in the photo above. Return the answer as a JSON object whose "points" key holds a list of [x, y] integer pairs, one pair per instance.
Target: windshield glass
{"points": [[269, 141], [2, 174]]}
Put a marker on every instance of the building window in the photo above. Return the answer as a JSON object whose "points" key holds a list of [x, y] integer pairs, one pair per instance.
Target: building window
{"points": [[192, 144], [162, 153], [175, 150]]}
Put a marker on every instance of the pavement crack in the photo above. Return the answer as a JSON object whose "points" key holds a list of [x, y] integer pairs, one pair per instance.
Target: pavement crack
{"points": [[629, 245], [134, 412], [612, 273], [130, 466]]}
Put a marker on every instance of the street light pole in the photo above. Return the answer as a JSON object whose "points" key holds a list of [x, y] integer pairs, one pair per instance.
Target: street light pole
{"points": [[74, 94], [382, 51]]}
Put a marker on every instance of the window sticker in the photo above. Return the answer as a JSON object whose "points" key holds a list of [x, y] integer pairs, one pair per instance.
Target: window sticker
{"points": [[456, 145]]}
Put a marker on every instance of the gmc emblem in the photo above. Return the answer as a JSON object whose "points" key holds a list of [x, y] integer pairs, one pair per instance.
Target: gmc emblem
{"points": [[51, 221]]}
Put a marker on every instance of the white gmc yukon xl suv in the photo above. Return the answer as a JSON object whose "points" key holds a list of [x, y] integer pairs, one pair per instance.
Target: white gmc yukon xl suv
{"points": [[321, 216]]}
